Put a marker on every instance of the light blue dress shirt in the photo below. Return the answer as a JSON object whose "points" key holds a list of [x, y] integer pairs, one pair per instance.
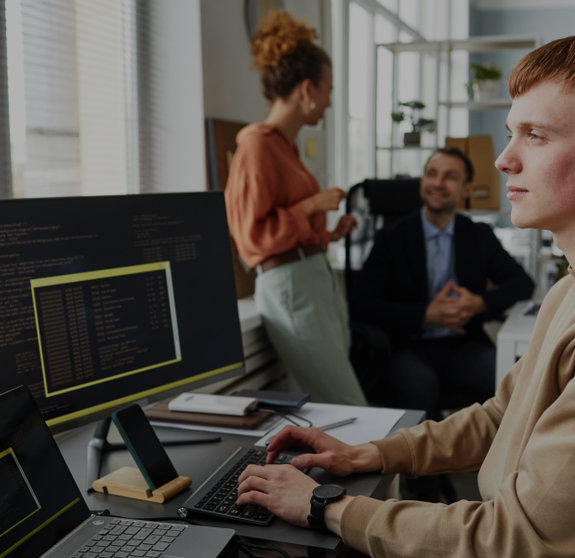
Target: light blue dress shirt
{"points": [[440, 265]]}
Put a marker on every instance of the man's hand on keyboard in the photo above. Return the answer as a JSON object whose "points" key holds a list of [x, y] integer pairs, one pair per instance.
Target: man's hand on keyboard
{"points": [[325, 451], [282, 489]]}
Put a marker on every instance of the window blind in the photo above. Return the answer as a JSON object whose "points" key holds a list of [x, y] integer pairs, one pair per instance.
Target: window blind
{"points": [[5, 163]]}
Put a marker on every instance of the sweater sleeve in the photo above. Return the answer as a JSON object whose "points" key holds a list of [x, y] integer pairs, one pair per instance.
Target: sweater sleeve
{"points": [[530, 514]]}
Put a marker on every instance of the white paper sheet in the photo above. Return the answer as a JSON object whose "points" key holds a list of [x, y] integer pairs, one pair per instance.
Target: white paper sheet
{"points": [[372, 423]]}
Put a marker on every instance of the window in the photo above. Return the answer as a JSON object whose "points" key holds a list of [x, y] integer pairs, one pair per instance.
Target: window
{"points": [[373, 142], [103, 97]]}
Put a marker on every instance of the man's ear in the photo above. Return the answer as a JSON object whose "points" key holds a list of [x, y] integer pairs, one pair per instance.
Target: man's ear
{"points": [[467, 190]]}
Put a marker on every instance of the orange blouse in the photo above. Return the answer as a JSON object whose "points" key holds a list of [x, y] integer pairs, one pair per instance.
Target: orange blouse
{"points": [[266, 184]]}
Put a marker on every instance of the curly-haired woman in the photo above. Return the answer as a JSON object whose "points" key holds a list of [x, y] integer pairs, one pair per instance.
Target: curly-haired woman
{"points": [[277, 215]]}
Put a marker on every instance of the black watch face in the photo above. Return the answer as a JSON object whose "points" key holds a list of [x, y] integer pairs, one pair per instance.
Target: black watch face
{"points": [[328, 491]]}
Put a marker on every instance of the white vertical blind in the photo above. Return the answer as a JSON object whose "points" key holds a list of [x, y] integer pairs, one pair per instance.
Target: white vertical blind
{"points": [[5, 163]]}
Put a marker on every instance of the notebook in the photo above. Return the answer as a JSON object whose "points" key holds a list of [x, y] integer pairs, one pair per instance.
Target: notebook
{"points": [[43, 513]]}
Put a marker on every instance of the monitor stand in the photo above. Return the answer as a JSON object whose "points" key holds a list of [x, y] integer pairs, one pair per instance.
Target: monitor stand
{"points": [[99, 445]]}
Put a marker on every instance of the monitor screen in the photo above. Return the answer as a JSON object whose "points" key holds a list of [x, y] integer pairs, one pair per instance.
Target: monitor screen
{"points": [[111, 299]]}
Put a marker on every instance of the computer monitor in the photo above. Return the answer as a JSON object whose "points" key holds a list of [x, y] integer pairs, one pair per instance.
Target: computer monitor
{"points": [[112, 299]]}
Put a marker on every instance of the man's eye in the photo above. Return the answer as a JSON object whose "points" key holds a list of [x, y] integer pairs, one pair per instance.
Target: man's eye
{"points": [[534, 136]]}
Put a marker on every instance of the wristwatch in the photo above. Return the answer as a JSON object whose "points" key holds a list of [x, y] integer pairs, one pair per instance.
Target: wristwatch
{"points": [[322, 496]]}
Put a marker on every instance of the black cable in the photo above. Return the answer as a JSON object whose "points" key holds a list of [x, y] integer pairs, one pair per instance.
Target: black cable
{"points": [[285, 415], [302, 418]]}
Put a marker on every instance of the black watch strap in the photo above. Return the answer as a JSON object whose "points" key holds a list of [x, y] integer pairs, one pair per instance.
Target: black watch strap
{"points": [[322, 497], [316, 518]]}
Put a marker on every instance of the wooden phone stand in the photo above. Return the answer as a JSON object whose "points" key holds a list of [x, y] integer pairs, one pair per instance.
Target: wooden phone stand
{"points": [[130, 482]]}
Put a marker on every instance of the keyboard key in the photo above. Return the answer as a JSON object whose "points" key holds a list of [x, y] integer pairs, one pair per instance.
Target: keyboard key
{"points": [[236, 510], [160, 546], [139, 524], [153, 554], [249, 511], [131, 530]]}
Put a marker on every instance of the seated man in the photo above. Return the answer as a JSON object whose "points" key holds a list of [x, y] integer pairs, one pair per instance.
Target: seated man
{"points": [[426, 283], [522, 439]]}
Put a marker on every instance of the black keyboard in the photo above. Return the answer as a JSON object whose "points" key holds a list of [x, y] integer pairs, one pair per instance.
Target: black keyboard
{"points": [[217, 496], [124, 538]]}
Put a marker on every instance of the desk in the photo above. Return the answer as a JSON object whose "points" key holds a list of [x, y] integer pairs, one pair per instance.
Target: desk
{"points": [[513, 339], [198, 462]]}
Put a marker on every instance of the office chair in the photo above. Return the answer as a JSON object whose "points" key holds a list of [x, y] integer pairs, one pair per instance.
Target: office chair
{"points": [[376, 204]]}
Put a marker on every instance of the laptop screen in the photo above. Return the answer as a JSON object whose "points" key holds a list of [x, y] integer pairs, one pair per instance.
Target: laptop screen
{"points": [[39, 500]]}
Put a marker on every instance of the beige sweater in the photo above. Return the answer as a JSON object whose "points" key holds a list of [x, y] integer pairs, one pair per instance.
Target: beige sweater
{"points": [[523, 443]]}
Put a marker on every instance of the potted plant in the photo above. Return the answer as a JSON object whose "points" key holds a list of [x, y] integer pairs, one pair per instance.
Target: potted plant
{"points": [[485, 82], [417, 123]]}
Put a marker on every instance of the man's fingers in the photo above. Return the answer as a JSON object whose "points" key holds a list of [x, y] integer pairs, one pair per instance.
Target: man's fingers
{"points": [[254, 470], [253, 482], [254, 497]]}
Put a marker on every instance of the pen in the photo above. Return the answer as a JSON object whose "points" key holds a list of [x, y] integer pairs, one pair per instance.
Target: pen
{"points": [[336, 424]]}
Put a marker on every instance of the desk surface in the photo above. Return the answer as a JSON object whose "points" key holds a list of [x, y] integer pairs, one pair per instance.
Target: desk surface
{"points": [[198, 462]]}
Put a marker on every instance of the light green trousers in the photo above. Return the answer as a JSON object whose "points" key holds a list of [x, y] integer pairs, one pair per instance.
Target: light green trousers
{"points": [[305, 316]]}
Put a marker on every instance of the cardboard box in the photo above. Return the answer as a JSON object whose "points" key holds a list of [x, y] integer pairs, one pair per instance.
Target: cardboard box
{"points": [[479, 149]]}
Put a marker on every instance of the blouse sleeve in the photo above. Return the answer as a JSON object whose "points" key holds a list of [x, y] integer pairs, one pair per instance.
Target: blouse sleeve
{"points": [[259, 223]]}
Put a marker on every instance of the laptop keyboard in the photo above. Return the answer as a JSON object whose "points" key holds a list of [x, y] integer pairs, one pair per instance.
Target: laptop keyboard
{"points": [[217, 496], [124, 538]]}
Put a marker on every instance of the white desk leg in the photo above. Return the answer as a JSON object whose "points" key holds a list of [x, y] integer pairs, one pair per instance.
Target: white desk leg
{"points": [[505, 359]]}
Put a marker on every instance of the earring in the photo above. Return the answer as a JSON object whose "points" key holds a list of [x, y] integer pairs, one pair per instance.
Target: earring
{"points": [[312, 105]]}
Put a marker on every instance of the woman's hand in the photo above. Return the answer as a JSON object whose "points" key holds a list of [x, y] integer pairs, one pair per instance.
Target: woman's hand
{"points": [[325, 451], [282, 489], [346, 224], [326, 200]]}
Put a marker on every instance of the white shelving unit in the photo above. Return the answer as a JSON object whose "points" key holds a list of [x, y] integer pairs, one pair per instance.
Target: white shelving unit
{"points": [[441, 51]]}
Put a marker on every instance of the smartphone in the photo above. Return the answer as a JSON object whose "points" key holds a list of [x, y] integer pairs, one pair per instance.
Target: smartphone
{"points": [[144, 445]]}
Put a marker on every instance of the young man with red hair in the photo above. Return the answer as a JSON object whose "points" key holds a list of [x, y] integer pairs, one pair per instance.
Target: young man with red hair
{"points": [[522, 440]]}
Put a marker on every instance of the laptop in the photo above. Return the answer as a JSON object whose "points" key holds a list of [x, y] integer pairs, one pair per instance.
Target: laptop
{"points": [[43, 513]]}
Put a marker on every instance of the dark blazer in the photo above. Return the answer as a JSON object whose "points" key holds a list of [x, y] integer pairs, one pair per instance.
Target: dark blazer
{"points": [[392, 291]]}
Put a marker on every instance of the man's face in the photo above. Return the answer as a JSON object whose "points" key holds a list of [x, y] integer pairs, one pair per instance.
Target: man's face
{"points": [[443, 184], [540, 159]]}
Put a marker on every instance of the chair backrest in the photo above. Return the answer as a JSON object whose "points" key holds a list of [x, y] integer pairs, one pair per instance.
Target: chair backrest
{"points": [[375, 203]]}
